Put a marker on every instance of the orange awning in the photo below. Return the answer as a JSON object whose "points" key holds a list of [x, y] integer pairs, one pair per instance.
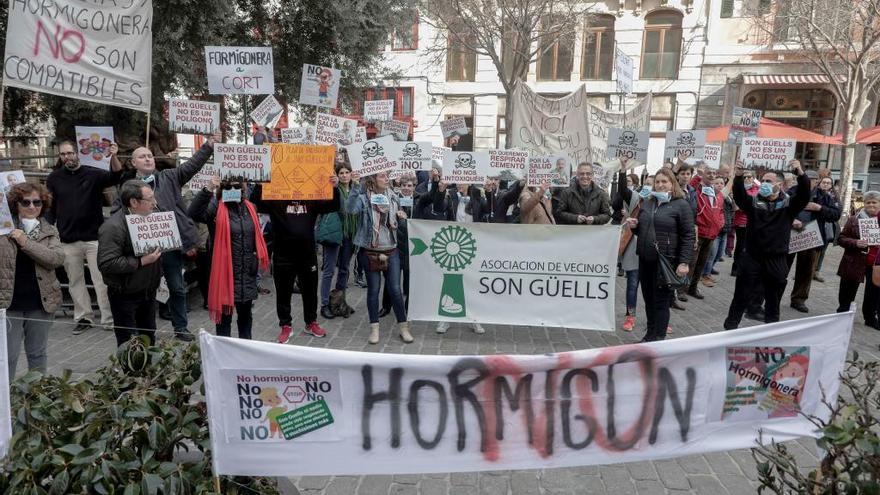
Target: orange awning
{"points": [[869, 135], [773, 129]]}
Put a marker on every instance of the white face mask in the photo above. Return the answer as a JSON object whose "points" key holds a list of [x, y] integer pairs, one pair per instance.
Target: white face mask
{"points": [[29, 224]]}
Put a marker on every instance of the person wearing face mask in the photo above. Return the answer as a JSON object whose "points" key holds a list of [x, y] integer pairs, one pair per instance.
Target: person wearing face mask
{"points": [[857, 264], [239, 253], [630, 203], [77, 211], [29, 290], [831, 229], [764, 261], [166, 186], [716, 254], [709, 219], [337, 257], [406, 196], [584, 202], [665, 227]]}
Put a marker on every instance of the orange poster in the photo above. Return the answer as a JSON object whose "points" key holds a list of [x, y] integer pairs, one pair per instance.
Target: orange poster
{"points": [[300, 172]]}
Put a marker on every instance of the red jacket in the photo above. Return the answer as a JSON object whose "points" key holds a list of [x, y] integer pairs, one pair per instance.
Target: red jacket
{"points": [[710, 212]]}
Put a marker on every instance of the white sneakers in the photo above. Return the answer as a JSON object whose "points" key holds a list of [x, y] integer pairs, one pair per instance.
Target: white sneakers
{"points": [[443, 326]]}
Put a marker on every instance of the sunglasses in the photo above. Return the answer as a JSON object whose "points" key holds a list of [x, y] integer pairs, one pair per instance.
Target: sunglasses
{"points": [[27, 203], [227, 187]]}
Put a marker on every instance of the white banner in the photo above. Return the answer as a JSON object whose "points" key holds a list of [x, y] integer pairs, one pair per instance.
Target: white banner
{"points": [[508, 164], [378, 110], [268, 112], [91, 51], [375, 156], [768, 153], [93, 144], [298, 135], [330, 129], [553, 169], [744, 123], [240, 70], [5, 380], [808, 237], [249, 161], [869, 231], [193, 116], [157, 230], [542, 275], [465, 167], [628, 143], [281, 410], [686, 146], [712, 156], [319, 86]]}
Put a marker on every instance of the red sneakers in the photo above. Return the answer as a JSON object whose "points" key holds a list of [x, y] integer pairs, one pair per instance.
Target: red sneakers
{"points": [[284, 336], [628, 323], [314, 329]]}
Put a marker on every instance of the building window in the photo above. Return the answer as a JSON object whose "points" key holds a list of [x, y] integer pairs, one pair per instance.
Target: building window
{"points": [[461, 61], [405, 35], [661, 52], [726, 9], [557, 54], [662, 115], [598, 57]]}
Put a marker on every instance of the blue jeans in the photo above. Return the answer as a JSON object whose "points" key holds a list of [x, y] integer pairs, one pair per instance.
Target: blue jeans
{"points": [[716, 253], [632, 290], [172, 268], [336, 256], [374, 285]]}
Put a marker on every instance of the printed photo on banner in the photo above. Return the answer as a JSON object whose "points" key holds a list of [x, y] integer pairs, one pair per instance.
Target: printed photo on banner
{"points": [[268, 112], [113, 65], [300, 172], [240, 70], [9, 179], [157, 230], [411, 157], [94, 144], [808, 237], [686, 146], [769, 153], [330, 129], [628, 143], [319, 86], [250, 162], [765, 382], [378, 110], [298, 135], [743, 123], [374, 156], [712, 156], [193, 116], [869, 231], [555, 169], [396, 128], [6, 223], [202, 179], [456, 126], [465, 167], [508, 164]]}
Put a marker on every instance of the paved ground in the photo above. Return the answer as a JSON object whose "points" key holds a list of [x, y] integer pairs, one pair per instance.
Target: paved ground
{"points": [[716, 474]]}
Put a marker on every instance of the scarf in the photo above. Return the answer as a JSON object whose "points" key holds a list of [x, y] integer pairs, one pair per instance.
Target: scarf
{"points": [[349, 221], [221, 291], [380, 218], [34, 233]]}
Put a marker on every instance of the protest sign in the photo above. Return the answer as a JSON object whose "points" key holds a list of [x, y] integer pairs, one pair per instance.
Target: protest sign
{"points": [[508, 164], [6, 223], [456, 126], [712, 156], [5, 379], [203, 177], [869, 231], [743, 123], [193, 116], [466, 167], [376, 413], [396, 128], [437, 153], [298, 135], [300, 172], [372, 157], [95, 51], [247, 161], [767, 153], [240, 70], [623, 65], [808, 237], [554, 169], [360, 134], [630, 144], [94, 144], [268, 112], [158, 230], [378, 110], [9, 179], [330, 129], [411, 157], [686, 146], [319, 86]]}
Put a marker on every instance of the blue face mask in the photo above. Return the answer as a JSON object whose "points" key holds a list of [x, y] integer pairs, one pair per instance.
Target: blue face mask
{"points": [[231, 196], [661, 197], [765, 190], [709, 191], [645, 192]]}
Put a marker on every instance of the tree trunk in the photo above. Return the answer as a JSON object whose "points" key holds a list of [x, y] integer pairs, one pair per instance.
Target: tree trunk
{"points": [[508, 120], [847, 167]]}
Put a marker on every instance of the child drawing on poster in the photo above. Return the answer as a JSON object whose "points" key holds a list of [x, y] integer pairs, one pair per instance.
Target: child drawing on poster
{"points": [[270, 397], [96, 147], [324, 80], [765, 382], [791, 375]]}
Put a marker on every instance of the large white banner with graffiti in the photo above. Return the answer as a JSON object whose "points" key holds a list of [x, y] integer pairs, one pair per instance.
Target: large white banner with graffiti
{"points": [[277, 410], [539, 275]]}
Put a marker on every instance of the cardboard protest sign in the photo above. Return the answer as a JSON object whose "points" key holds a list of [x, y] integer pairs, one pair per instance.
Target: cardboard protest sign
{"points": [[869, 231], [378, 110], [93, 144], [628, 143], [437, 153], [298, 135], [508, 164], [712, 156], [465, 167], [158, 230], [743, 123], [330, 129], [268, 112], [240, 70], [360, 135], [455, 126], [768, 153], [555, 169], [247, 161], [411, 157], [372, 157], [319, 86], [203, 177], [686, 146], [193, 116], [808, 237], [396, 128], [623, 66], [6, 223], [94, 51], [9, 179], [300, 172]]}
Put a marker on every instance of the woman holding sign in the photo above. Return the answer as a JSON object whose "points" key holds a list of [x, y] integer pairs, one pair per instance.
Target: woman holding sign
{"points": [[378, 210], [858, 259]]}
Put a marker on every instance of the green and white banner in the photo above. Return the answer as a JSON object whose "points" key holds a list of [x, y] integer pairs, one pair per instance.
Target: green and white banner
{"points": [[534, 275]]}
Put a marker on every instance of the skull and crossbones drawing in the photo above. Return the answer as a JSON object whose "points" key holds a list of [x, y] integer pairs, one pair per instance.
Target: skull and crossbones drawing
{"points": [[628, 138], [411, 149], [465, 160], [371, 150], [686, 139]]}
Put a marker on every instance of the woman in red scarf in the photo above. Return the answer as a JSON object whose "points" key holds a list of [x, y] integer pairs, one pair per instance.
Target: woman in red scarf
{"points": [[239, 251]]}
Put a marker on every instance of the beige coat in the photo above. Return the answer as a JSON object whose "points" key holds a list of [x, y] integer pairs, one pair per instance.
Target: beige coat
{"points": [[47, 255], [535, 208]]}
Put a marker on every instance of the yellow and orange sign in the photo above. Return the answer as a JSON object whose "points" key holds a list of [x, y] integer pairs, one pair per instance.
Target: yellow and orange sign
{"points": [[300, 172]]}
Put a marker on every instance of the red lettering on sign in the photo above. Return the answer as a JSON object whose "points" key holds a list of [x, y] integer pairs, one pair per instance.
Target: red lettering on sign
{"points": [[56, 42]]}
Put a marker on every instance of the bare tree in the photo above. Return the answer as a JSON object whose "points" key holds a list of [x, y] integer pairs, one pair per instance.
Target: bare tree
{"points": [[841, 38], [511, 33]]}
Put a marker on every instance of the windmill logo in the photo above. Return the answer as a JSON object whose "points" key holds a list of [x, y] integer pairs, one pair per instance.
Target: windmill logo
{"points": [[452, 248]]}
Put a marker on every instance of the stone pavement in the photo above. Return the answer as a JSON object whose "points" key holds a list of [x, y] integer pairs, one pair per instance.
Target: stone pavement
{"points": [[716, 474]]}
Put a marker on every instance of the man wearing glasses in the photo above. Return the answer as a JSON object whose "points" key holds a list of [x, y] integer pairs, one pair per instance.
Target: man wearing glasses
{"points": [[78, 198], [583, 203]]}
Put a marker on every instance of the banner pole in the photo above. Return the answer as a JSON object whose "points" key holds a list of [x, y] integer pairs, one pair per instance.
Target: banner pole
{"points": [[2, 107], [149, 114], [217, 484]]}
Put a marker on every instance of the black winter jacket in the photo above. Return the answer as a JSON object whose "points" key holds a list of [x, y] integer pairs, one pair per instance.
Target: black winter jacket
{"points": [[120, 268], [671, 226], [828, 215], [769, 228], [574, 201], [293, 222]]}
